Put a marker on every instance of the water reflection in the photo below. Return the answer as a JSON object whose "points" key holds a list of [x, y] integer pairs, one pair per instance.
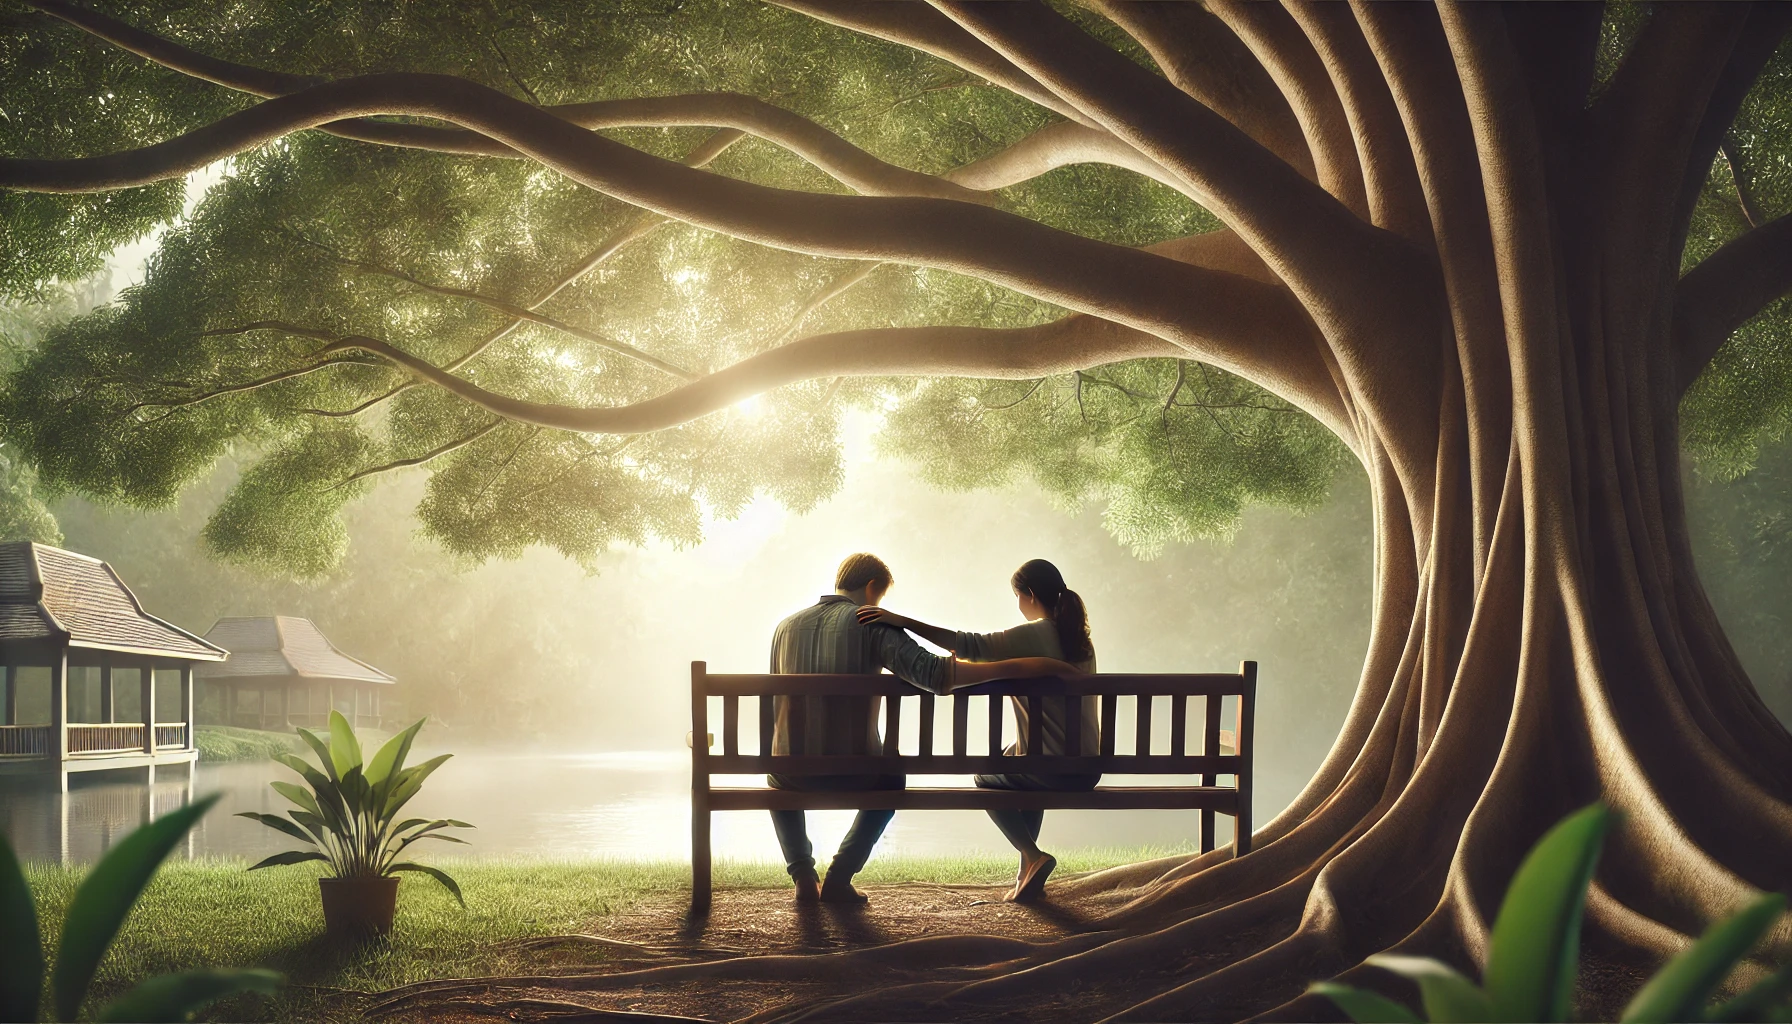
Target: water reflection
{"points": [[631, 805]]}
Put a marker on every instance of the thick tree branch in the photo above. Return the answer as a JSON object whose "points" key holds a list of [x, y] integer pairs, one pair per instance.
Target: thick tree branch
{"points": [[1725, 291], [915, 25], [243, 387], [1054, 146], [1761, 35], [1073, 343], [428, 456], [829, 152], [1312, 241], [1208, 312], [1206, 59], [1390, 177], [1295, 67]]}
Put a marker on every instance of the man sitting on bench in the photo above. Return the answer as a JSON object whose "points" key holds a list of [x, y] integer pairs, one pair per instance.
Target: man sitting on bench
{"points": [[827, 637]]}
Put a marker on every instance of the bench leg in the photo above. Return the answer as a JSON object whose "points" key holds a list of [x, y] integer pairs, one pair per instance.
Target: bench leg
{"points": [[1207, 831], [1241, 828], [700, 856]]}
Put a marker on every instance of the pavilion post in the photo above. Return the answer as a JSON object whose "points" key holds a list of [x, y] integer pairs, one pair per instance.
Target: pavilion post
{"points": [[108, 694], [59, 714], [147, 683], [286, 704], [12, 695], [187, 703]]}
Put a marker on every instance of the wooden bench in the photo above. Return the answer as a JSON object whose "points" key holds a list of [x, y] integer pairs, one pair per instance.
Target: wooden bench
{"points": [[1209, 762]]}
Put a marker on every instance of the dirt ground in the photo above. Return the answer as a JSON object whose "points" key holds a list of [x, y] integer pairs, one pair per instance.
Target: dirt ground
{"points": [[657, 961]]}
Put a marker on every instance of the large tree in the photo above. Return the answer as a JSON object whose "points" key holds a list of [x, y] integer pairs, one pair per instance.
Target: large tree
{"points": [[1490, 249]]}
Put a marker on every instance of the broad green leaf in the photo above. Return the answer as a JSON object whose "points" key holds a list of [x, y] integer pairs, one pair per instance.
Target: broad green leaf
{"points": [[322, 749], [345, 750], [298, 795], [1679, 990], [410, 782], [436, 873], [1534, 953], [277, 823], [174, 997], [391, 756], [1768, 999], [356, 793], [288, 857], [21, 948], [1449, 997], [105, 898], [1364, 1006]]}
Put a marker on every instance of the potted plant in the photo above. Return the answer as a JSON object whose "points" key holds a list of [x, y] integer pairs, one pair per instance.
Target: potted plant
{"points": [[350, 817]]}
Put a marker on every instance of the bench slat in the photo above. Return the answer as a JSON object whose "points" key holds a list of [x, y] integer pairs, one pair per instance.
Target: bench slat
{"points": [[730, 725], [892, 723], [1210, 743], [965, 799], [927, 725], [972, 764], [1110, 722], [1179, 725], [995, 722], [767, 706], [1073, 727], [961, 725], [1142, 734], [1035, 725]]}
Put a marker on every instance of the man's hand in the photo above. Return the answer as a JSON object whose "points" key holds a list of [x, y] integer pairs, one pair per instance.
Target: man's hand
{"points": [[870, 613]]}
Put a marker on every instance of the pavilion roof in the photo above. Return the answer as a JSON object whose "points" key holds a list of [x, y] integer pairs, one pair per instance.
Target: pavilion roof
{"points": [[48, 594], [271, 647]]}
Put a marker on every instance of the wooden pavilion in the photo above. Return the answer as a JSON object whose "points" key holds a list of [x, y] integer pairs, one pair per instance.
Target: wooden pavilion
{"points": [[289, 657], [64, 614]]}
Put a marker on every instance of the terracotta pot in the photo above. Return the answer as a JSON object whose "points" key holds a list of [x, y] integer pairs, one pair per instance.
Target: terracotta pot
{"points": [[358, 908]]}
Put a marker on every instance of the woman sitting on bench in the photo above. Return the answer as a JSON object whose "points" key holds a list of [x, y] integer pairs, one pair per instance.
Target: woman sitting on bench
{"points": [[1057, 626]]}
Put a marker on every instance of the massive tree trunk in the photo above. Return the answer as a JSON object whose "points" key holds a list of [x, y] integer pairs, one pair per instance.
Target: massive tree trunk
{"points": [[1442, 249]]}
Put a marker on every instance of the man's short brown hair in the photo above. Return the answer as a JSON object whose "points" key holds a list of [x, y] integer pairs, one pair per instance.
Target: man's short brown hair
{"points": [[861, 569]]}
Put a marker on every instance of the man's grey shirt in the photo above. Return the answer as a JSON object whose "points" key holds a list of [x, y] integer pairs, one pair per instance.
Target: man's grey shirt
{"points": [[828, 637]]}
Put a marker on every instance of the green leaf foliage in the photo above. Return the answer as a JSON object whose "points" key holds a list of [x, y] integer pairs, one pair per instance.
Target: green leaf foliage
{"points": [[436, 873], [1363, 1006], [175, 997], [21, 949], [1534, 951], [345, 750], [130, 403], [1449, 997], [1766, 1000], [1680, 990], [105, 897]]}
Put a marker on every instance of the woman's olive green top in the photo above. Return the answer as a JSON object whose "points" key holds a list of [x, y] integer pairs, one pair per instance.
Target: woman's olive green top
{"points": [[1036, 639]]}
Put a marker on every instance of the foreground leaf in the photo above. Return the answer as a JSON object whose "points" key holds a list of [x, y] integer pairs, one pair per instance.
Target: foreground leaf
{"points": [[105, 898], [345, 750], [1363, 1006], [1534, 953], [1679, 990], [1768, 999], [391, 756], [21, 948], [322, 749], [1449, 997], [436, 873], [279, 824], [174, 997], [288, 857]]}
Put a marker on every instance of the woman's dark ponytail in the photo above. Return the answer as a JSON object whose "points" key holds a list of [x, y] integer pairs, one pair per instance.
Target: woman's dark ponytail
{"points": [[1042, 579]]}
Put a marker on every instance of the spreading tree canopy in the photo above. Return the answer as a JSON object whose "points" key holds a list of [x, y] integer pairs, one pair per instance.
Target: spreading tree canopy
{"points": [[600, 270]]}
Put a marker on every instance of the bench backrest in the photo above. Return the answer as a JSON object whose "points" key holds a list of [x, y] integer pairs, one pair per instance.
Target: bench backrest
{"points": [[1182, 757]]}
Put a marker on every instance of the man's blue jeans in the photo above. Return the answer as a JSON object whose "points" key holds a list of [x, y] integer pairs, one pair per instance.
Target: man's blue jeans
{"points": [[793, 829]]}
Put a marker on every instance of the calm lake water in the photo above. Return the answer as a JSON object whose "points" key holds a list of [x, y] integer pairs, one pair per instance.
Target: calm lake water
{"points": [[632, 805]]}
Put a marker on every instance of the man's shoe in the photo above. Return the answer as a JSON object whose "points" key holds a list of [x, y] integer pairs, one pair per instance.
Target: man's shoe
{"points": [[841, 891], [1030, 884], [808, 887]]}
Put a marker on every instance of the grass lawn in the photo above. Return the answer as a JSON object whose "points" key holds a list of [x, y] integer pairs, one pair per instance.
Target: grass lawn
{"points": [[216, 914]]}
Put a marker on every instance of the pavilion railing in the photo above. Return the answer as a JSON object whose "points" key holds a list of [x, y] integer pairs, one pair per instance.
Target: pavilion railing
{"points": [[174, 735], [27, 740], [104, 739]]}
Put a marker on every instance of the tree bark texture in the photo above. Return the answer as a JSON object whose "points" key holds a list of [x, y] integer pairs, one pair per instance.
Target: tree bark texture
{"points": [[1435, 244]]}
